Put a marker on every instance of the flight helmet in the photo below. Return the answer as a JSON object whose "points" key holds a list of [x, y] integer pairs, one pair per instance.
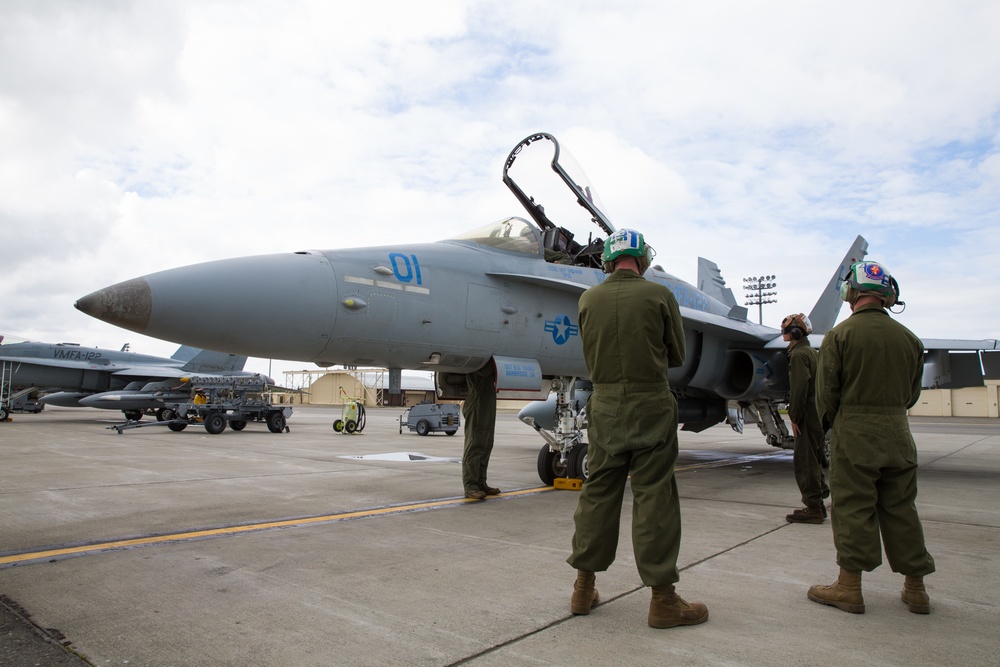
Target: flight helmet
{"points": [[870, 278], [796, 325], [626, 243]]}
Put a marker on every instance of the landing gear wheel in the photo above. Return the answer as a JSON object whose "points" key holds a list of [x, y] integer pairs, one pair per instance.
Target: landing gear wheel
{"points": [[275, 422], [450, 432], [215, 423], [576, 462], [549, 466], [237, 424], [132, 415], [4, 414], [423, 428], [177, 427], [165, 414]]}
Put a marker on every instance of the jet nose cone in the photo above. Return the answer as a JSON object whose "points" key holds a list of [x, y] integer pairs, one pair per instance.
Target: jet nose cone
{"points": [[127, 305], [268, 306]]}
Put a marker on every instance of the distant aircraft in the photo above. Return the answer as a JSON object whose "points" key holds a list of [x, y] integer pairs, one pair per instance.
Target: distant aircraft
{"points": [[69, 375], [505, 294]]}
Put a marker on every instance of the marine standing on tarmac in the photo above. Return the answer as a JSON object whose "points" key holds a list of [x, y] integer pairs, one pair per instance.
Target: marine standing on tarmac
{"points": [[807, 458], [480, 413], [632, 332], [870, 368]]}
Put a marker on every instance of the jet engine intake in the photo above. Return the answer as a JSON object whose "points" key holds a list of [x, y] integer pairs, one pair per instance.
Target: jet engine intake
{"points": [[751, 374]]}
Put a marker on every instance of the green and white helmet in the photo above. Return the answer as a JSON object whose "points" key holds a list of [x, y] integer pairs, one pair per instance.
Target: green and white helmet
{"points": [[870, 278], [627, 243]]}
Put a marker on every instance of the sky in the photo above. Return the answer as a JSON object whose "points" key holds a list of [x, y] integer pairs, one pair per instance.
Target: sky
{"points": [[137, 136]]}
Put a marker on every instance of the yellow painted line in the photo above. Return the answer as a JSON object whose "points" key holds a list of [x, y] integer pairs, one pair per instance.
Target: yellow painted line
{"points": [[99, 547], [49, 554]]}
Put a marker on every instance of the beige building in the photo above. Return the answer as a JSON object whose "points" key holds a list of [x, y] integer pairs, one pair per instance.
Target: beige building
{"points": [[368, 386], [965, 402], [969, 382]]}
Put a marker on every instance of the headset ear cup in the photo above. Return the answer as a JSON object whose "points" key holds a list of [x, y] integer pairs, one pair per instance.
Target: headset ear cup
{"points": [[796, 333]]}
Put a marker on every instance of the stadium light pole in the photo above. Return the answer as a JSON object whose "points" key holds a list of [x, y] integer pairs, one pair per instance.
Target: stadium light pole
{"points": [[757, 296]]}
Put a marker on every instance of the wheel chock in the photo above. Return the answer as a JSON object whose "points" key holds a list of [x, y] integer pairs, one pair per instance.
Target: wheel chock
{"points": [[568, 483]]}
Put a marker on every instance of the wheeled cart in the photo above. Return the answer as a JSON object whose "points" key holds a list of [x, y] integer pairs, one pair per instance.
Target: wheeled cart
{"points": [[229, 401]]}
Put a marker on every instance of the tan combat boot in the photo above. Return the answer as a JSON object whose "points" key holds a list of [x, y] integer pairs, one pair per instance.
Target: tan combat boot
{"points": [[844, 594], [915, 595], [668, 610], [585, 596]]}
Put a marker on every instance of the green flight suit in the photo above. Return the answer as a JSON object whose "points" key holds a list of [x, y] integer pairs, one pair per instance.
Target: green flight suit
{"points": [[631, 332], [807, 458], [870, 368], [479, 410]]}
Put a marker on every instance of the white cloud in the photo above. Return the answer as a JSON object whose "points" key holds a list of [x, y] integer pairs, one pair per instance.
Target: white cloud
{"points": [[138, 136]]}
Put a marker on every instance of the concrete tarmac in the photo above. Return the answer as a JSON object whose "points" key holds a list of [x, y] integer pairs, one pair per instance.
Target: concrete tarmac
{"points": [[152, 547]]}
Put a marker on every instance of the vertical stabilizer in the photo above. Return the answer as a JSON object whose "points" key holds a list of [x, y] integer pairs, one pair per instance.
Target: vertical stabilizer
{"points": [[824, 313], [185, 353], [711, 282], [206, 361]]}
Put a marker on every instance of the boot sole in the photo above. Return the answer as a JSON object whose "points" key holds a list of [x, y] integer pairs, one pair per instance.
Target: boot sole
{"points": [[804, 520], [843, 606], [673, 623], [916, 608]]}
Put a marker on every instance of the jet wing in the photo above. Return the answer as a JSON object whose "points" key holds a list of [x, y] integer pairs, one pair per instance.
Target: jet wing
{"points": [[959, 344], [739, 332], [63, 363]]}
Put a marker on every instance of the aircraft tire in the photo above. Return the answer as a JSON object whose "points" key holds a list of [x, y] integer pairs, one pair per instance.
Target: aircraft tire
{"points": [[423, 428], [576, 462], [4, 414], [549, 467], [132, 415], [165, 414], [177, 427], [237, 424], [215, 423], [450, 432], [275, 422]]}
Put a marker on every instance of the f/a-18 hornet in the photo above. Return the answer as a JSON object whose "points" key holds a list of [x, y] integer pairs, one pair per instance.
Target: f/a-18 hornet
{"points": [[69, 375], [503, 294]]}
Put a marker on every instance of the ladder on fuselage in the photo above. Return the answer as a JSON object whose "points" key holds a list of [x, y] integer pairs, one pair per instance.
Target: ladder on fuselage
{"points": [[6, 381]]}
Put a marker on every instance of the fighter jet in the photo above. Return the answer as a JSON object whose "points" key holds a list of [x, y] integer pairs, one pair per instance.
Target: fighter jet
{"points": [[69, 375], [505, 294]]}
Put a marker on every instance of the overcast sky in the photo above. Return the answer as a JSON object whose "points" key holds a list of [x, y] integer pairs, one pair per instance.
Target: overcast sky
{"points": [[141, 136]]}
